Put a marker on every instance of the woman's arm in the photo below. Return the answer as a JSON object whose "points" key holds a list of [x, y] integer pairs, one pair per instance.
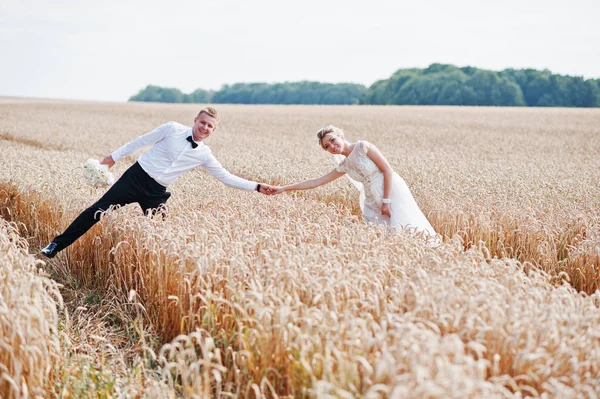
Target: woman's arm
{"points": [[313, 183], [388, 175]]}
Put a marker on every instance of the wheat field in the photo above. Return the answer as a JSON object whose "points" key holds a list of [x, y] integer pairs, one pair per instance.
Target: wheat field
{"points": [[237, 294]]}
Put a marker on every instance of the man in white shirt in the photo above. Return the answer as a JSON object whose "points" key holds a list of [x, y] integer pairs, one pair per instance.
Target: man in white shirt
{"points": [[176, 149]]}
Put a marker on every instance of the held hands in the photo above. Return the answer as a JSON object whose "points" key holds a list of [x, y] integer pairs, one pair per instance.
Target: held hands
{"points": [[385, 209], [267, 189], [108, 160]]}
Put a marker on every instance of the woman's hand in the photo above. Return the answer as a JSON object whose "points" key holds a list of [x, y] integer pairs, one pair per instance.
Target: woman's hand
{"points": [[108, 160], [385, 209], [277, 190]]}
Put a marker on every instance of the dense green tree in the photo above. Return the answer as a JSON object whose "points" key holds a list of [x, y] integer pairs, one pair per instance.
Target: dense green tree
{"points": [[198, 96], [159, 94], [304, 92], [441, 84], [438, 84], [507, 93], [492, 89]]}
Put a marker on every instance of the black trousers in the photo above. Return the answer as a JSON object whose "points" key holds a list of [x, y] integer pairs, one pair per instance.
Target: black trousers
{"points": [[134, 186]]}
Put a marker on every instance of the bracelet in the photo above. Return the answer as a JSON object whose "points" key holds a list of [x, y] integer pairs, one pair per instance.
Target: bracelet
{"points": [[258, 187], [386, 200]]}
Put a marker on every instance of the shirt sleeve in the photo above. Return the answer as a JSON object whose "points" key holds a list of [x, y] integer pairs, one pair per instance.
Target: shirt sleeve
{"points": [[214, 168], [146, 140]]}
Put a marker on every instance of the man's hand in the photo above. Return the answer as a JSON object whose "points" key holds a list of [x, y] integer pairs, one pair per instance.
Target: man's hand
{"points": [[385, 209], [267, 189], [108, 160]]}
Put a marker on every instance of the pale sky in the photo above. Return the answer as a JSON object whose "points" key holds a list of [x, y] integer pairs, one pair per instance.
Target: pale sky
{"points": [[108, 50]]}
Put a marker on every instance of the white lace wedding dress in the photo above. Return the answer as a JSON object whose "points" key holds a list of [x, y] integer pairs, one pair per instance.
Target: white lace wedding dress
{"points": [[404, 211]]}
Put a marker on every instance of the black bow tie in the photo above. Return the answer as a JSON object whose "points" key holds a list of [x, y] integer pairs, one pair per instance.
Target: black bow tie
{"points": [[191, 140]]}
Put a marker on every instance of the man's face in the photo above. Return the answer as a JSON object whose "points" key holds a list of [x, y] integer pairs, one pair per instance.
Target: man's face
{"points": [[204, 125]]}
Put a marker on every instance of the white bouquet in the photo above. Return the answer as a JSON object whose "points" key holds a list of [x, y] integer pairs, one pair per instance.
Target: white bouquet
{"points": [[97, 175]]}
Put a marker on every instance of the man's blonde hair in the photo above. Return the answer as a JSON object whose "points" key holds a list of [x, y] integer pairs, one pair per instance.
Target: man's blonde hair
{"points": [[329, 129], [210, 111]]}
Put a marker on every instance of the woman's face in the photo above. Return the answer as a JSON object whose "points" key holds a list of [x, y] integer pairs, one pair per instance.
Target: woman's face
{"points": [[333, 143]]}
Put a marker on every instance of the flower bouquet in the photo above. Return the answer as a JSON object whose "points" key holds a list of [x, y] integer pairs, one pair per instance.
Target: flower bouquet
{"points": [[97, 175]]}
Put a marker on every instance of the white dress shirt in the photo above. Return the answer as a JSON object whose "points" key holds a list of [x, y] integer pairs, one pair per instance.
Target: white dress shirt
{"points": [[172, 155]]}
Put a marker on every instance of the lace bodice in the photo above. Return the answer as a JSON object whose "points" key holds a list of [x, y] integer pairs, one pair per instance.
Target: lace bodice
{"points": [[358, 165], [404, 210]]}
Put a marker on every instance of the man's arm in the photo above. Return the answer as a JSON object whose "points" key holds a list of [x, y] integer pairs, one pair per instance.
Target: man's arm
{"points": [[146, 140], [214, 168]]}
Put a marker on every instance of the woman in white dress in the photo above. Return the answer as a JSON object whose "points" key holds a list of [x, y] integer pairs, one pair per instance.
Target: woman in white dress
{"points": [[384, 196]]}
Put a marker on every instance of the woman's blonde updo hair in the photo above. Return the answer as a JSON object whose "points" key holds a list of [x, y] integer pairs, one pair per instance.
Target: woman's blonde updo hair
{"points": [[329, 129]]}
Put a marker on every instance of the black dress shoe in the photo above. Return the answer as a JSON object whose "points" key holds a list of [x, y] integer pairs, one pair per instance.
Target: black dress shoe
{"points": [[50, 250]]}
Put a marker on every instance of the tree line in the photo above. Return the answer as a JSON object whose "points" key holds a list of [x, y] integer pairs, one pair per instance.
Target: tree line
{"points": [[438, 84], [260, 93]]}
